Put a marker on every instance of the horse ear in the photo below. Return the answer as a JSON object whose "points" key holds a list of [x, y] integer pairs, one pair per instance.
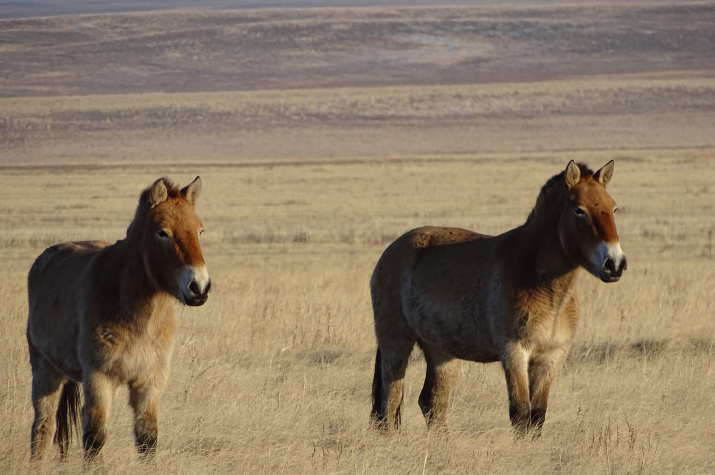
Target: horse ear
{"points": [[157, 193], [192, 190], [604, 175], [573, 174]]}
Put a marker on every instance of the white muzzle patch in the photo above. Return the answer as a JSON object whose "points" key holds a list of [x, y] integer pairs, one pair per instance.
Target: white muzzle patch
{"points": [[609, 261], [195, 284]]}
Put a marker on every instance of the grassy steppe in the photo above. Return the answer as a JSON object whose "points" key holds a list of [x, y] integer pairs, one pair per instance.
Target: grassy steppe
{"points": [[321, 135], [273, 374]]}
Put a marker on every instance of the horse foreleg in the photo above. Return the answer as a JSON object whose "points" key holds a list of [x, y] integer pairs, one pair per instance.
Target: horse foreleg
{"points": [[515, 361], [541, 375], [99, 392], [47, 385], [440, 377], [144, 399]]}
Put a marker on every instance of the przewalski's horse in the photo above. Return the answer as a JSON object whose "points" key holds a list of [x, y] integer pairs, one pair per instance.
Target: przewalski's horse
{"points": [[509, 298], [102, 315]]}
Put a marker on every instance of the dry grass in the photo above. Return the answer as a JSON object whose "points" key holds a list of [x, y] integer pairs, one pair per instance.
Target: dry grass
{"points": [[303, 189], [273, 374]]}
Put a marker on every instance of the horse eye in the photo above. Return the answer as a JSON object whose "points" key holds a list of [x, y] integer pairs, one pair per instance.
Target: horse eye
{"points": [[162, 234], [615, 210], [201, 232], [580, 212]]}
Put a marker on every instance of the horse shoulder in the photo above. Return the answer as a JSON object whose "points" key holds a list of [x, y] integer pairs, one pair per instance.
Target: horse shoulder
{"points": [[544, 318], [124, 349], [569, 318]]}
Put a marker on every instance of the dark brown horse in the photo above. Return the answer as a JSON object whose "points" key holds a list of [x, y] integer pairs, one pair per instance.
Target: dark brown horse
{"points": [[509, 298], [102, 315]]}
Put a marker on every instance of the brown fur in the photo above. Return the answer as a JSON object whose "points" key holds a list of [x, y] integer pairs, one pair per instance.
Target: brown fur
{"points": [[102, 315], [510, 298]]}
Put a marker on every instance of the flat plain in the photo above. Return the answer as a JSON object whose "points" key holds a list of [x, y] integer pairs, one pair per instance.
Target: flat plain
{"points": [[322, 134]]}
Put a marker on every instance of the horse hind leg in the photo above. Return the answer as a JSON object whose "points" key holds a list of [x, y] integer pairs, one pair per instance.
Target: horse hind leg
{"points": [[439, 379], [47, 387], [395, 342], [388, 382]]}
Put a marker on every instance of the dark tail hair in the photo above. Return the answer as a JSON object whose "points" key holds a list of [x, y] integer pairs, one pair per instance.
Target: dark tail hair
{"points": [[376, 415], [68, 415]]}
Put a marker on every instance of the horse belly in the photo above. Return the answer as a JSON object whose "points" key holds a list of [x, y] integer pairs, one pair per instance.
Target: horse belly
{"points": [[454, 327]]}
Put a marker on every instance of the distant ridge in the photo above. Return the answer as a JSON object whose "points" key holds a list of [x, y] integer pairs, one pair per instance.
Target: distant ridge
{"points": [[14, 9]]}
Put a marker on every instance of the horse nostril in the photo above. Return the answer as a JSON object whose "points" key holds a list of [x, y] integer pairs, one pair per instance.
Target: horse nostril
{"points": [[610, 266], [624, 264], [194, 287]]}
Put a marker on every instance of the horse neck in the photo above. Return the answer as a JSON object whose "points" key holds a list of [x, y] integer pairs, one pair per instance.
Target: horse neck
{"points": [[139, 295], [549, 263]]}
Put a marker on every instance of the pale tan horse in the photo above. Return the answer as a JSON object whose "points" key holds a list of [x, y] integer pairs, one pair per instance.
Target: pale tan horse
{"points": [[102, 315], [509, 298]]}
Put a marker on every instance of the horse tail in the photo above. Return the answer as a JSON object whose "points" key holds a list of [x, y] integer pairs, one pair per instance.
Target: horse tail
{"points": [[68, 415], [376, 414]]}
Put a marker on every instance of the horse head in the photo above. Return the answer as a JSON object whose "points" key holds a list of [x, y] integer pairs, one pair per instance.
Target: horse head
{"points": [[170, 240], [587, 227]]}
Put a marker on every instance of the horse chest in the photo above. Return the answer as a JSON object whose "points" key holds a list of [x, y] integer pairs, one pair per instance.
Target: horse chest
{"points": [[127, 354], [543, 321]]}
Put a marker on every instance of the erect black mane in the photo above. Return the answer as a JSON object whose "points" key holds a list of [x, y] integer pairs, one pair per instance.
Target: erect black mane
{"points": [[553, 191], [172, 191]]}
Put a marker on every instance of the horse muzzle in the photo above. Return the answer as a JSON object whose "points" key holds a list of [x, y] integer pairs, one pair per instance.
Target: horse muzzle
{"points": [[612, 269], [609, 261], [196, 287], [194, 297]]}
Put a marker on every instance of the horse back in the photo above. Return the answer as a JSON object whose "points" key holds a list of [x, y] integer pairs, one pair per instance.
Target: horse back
{"points": [[434, 236], [401, 256], [61, 265], [63, 254]]}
